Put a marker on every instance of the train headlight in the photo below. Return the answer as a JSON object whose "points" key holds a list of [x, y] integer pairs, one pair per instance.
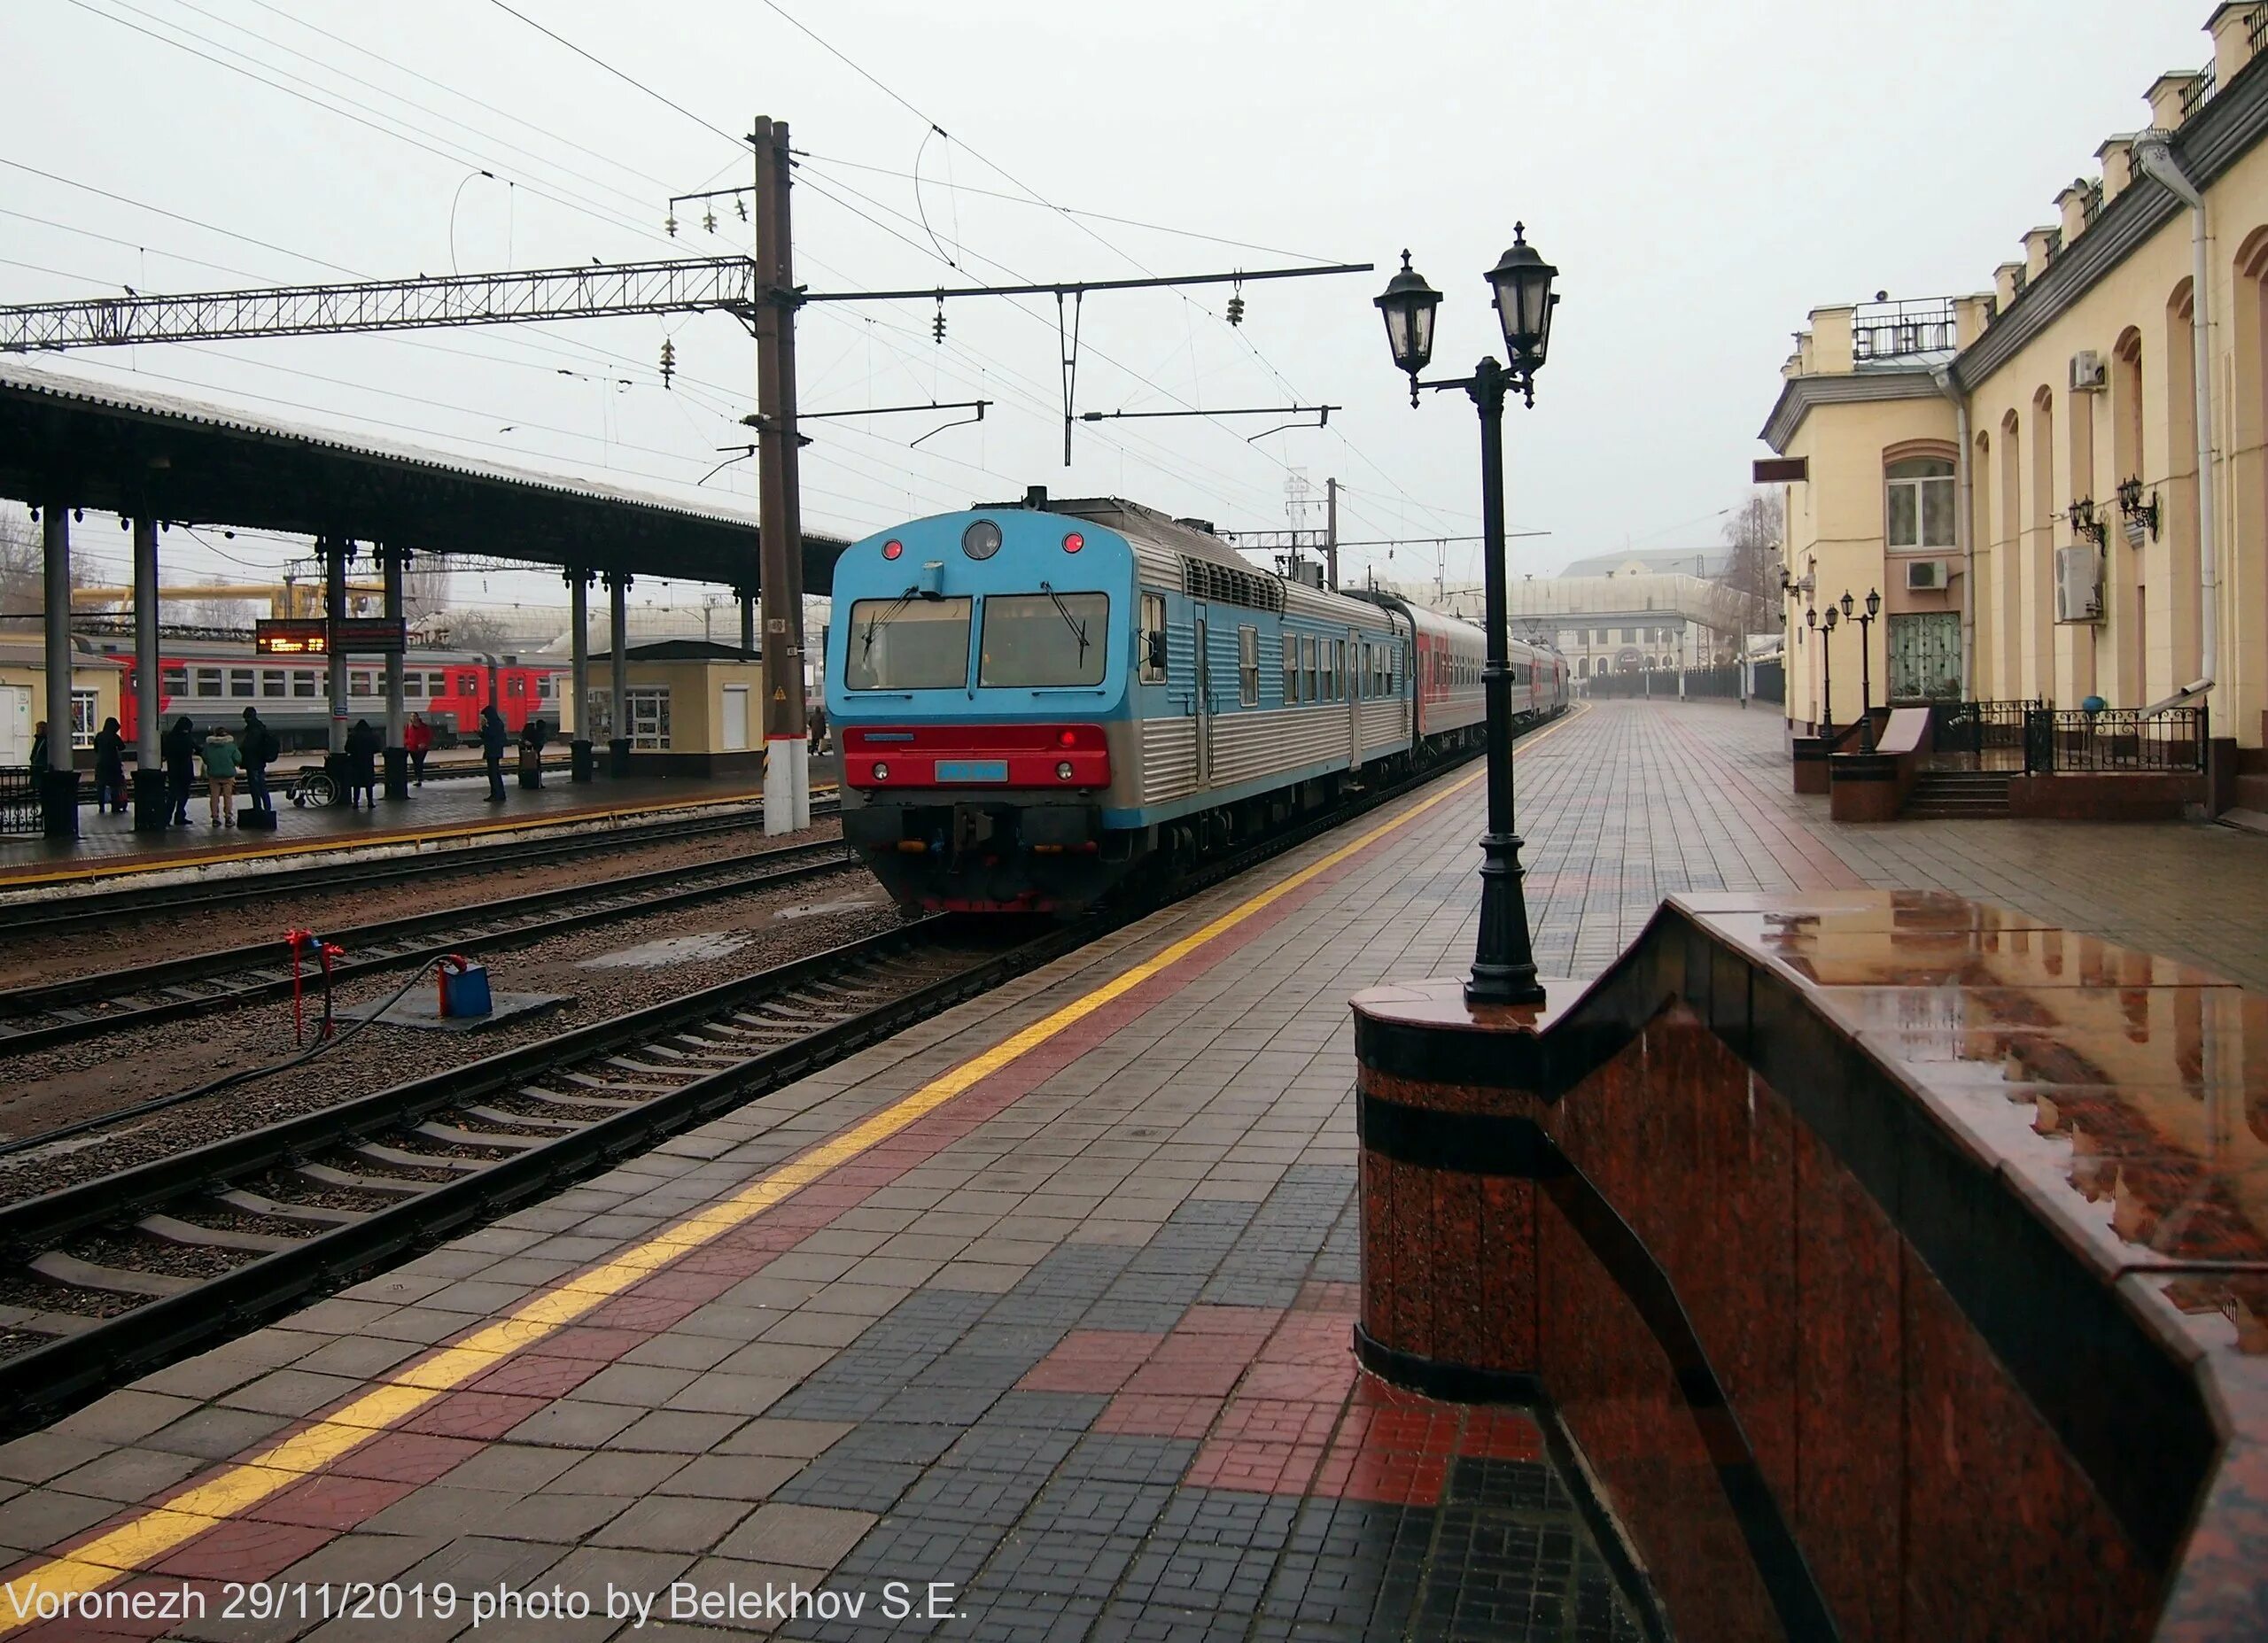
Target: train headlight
{"points": [[1063, 771], [981, 540], [882, 770]]}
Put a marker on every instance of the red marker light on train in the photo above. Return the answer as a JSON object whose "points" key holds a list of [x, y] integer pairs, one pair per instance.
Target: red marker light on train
{"points": [[891, 549], [1074, 542], [1067, 737]]}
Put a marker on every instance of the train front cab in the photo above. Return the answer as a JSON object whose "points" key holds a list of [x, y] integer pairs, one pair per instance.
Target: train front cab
{"points": [[979, 699]]}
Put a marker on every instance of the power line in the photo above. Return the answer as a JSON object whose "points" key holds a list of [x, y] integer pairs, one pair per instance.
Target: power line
{"points": [[619, 74]]}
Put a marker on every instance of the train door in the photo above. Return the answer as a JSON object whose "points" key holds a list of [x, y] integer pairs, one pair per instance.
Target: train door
{"points": [[1354, 678], [1413, 725], [1200, 631]]}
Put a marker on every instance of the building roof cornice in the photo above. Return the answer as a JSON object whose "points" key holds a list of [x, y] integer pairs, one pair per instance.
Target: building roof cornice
{"points": [[1798, 394], [2213, 139]]}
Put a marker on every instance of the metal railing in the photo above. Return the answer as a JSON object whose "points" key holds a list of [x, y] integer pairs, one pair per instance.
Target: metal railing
{"points": [[19, 799], [2199, 91], [2256, 28], [2114, 740], [1891, 330], [1982, 735]]}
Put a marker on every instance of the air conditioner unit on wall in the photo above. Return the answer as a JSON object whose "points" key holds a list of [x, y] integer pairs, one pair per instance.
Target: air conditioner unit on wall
{"points": [[1925, 576], [2078, 584], [2088, 372]]}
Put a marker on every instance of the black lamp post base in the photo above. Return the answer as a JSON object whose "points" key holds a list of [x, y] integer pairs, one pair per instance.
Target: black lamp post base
{"points": [[1503, 964]]}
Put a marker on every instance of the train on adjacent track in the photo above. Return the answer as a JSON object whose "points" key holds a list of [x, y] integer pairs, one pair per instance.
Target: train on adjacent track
{"points": [[1036, 701], [215, 680]]}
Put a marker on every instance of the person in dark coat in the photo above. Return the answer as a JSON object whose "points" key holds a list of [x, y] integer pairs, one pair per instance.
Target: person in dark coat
{"points": [[179, 748], [492, 738], [259, 746], [532, 738], [362, 746], [110, 770], [39, 750]]}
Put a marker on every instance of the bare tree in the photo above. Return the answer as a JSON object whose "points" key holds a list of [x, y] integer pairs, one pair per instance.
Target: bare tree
{"points": [[1754, 534], [22, 592], [473, 629], [216, 611], [425, 587]]}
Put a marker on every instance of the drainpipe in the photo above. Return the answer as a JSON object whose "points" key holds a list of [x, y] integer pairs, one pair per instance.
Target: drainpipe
{"points": [[2154, 152], [1964, 537]]}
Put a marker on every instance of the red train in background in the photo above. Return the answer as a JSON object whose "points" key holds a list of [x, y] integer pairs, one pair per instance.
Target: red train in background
{"points": [[213, 681]]}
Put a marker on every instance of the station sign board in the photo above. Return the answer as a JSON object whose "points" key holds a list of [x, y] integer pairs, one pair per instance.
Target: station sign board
{"points": [[296, 636], [370, 635]]}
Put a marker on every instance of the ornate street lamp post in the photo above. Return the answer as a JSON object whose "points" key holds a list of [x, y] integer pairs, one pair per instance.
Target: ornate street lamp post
{"points": [[1866, 662], [1827, 671], [1503, 964]]}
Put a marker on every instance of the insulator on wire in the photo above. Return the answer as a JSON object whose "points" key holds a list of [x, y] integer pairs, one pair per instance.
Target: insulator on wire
{"points": [[740, 206], [709, 219], [1236, 304], [670, 223], [669, 362], [938, 325]]}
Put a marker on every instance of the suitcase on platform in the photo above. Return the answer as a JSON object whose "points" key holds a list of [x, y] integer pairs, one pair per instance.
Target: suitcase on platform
{"points": [[260, 821]]}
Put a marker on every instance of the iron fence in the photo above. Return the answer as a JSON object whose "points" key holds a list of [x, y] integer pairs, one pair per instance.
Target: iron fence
{"points": [[2119, 740], [1891, 330], [1982, 735], [1720, 681], [19, 800]]}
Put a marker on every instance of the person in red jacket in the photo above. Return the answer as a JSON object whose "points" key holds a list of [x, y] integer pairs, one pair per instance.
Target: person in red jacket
{"points": [[417, 737]]}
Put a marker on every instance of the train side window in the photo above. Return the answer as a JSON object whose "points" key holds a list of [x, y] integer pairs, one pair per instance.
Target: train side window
{"points": [[543, 684], [1307, 671], [358, 682], [1152, 666], [303, 683], [272, 682], [1291, 670], [173, 682], [413, 686], [240, 681], [437, 685], [1248, 665]]}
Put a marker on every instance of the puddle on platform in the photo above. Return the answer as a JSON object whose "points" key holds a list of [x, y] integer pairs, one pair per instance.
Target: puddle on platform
{"points": [[671, 949]]}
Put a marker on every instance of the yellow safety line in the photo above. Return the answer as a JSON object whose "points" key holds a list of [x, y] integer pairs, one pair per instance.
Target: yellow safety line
{"points": [[356, 842], [159, 1531]]}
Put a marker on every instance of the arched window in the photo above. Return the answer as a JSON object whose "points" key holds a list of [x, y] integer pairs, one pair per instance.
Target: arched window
{"points": [[1918, 497]]}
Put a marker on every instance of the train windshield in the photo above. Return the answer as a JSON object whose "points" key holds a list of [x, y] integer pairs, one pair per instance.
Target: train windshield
{"points": [[1044, 639], [907, 644]]}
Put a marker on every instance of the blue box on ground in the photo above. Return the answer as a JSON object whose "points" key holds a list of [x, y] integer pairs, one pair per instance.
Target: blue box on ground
{"points": [[464, 992]]}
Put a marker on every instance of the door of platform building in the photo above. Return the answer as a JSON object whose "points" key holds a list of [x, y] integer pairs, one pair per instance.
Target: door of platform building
{"points": [[735, 733], [15, 725], [1924, 656]]}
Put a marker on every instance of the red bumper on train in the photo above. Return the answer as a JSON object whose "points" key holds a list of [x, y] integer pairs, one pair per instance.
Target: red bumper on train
{"points": [[883, 758]]}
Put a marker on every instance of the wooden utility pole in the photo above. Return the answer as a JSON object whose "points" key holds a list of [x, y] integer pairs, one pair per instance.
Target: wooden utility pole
{"points": [[787, 774]]}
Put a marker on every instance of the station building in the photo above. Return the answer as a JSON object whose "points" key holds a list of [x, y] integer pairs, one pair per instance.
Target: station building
{"points": [[2051, 510]]}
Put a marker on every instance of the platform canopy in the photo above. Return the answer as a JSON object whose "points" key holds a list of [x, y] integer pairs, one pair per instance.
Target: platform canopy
{"points": [[91, 444]]}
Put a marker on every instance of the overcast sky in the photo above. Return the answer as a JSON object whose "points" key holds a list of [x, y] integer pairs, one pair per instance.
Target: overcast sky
{"points": [[1701, 175]]}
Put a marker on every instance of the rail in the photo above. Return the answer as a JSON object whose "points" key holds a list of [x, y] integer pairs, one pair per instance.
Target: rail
{"points": [[1984, 735], [2114, 740]]}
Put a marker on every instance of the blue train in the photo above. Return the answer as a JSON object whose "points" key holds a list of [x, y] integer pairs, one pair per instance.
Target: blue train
{"points": [[1033, 702]]}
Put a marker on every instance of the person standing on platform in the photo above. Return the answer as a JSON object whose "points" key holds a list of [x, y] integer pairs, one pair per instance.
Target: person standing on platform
{"points": [[180, 750], [221, 762], [110, 769], [39, 750], [417, 739], [816, 717], [258, 748], [362, 744], [492, 738]]}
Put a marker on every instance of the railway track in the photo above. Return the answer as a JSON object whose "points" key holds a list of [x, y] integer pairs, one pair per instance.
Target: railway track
{"points": [[106, 1279], [51, 913], [36, 1017]]}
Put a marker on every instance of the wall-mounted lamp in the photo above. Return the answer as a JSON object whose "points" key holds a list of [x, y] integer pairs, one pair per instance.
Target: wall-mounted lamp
{"points": [[2141, 515], [2084, 523]]}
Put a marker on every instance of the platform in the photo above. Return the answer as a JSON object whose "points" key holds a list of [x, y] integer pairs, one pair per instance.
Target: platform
{"points": [[446, 812], [1048, 1300]]}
